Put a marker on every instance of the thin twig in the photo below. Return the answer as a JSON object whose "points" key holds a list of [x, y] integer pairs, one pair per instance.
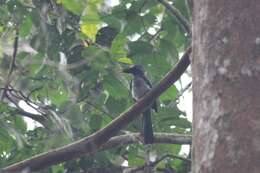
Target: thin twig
{"points": [[32, 91], [15, 48], [156, 34], [101, 110], [12, 65], [156, 162], [174, 102], [176, 13], [39, 118], [25, 98]]}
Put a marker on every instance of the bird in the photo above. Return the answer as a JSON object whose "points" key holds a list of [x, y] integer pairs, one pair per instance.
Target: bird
{"points": [[139, 86]]}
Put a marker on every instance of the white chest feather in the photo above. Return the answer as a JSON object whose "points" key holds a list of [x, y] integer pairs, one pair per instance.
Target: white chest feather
{"points": [[139, 87]]}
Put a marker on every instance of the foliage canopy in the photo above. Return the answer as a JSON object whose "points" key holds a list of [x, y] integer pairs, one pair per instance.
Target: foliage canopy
{"points": [[67, 71]]}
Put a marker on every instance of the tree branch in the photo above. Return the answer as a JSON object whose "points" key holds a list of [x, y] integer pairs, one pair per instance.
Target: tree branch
{"points": [[132, 138], [12, 65], [39, 118], [93, 142], [176, 13]]}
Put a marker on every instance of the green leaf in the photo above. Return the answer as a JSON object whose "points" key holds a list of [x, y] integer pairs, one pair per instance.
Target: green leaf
{"points": [[168, 117], [119, 12], [118, 47], [133, 160], [125, 60], [167, 148], [149, 19], [134, 22], [116, 106], [170, 26], [114, 87], [36, 64], [25, 27], [90, 21], [168, 50], [181, 6], [181, 40], [75, 6], [156, 64], [57, 168], [89, 29], [96, 57], [169, 94], [95, 122], [58, 96], [176, 163], [183, 123], [20, 124], [140, 48], [73, 113], [6, 142], [1, 29], [4, 107]]}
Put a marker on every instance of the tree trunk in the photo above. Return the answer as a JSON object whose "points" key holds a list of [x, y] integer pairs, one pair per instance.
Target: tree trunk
{"points": [[226, 86]]}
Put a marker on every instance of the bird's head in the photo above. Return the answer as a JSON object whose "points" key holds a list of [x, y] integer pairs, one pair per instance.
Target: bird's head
{"points": [[134, 70]]}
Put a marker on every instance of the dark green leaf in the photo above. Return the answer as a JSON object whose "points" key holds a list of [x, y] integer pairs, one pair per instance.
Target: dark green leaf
{"points": [[26, 26]]}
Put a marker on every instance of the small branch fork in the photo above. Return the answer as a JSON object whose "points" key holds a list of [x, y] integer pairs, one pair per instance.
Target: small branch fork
{"points": [[13, 95]]}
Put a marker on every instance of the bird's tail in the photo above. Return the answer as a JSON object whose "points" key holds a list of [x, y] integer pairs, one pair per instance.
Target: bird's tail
{"points": [[147, 127]]}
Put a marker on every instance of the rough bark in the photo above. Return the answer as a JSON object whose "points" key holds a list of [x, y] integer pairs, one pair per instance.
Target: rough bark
{"points": [[226, 86]]}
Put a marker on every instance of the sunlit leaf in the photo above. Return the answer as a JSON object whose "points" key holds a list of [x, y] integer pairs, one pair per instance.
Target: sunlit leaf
{"points": [[90, 21], [90, 30], [118, 48], [125, 60], [75, 6]]}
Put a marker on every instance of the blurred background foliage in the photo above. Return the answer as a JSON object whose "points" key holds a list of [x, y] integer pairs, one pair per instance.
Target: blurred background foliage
{"points": [[67, 77]]}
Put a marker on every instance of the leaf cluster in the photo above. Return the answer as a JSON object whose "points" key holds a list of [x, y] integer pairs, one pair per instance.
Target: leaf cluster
{"points": [[68, 70]]}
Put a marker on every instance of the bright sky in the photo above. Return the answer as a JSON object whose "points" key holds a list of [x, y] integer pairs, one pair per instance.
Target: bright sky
{"points": [[186, 98], [112, 2], [186, 106]]}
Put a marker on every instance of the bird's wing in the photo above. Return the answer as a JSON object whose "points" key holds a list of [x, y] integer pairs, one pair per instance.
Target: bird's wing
{"points": [[154, 105], [147, 81]]}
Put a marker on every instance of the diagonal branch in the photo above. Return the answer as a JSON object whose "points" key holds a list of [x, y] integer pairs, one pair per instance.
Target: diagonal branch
{"points": [[39, 118], [93, 142], [176, 13]]}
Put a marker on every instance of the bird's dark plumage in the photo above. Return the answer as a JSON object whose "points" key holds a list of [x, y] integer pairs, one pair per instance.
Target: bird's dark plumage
{"points": [[139, 86]]}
